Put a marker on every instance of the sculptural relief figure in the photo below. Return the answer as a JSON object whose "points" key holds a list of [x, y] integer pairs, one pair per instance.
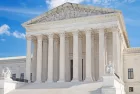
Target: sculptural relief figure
{"points": [[110, 68], [6, 74]]}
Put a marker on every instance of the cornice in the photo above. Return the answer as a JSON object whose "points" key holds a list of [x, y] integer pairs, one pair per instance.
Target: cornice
{"points": [[131, 50], [79, 28], [74, 21]]}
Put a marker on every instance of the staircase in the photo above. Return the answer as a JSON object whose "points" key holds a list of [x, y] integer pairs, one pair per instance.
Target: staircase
{"points": [[60, 88]]}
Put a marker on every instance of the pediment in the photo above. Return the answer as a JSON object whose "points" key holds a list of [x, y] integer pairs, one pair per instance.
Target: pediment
{"points": [[68, 11]]}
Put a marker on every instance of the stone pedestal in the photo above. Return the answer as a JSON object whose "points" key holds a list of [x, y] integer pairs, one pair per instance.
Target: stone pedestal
{"points": [[112, 85], [8, 85]]}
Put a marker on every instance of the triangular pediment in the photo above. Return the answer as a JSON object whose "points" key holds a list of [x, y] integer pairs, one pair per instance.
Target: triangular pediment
{"points": [[70, 10]]}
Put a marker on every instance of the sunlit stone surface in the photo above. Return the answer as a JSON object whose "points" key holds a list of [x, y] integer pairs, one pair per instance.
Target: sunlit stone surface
{"points": [[75, 49]]}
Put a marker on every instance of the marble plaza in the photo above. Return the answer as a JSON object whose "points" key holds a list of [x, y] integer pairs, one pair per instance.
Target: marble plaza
{"points": [[75, 49]]}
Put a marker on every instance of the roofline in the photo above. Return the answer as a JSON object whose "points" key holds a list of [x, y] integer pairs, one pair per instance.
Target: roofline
{"points": [[124, 30], [13, 58], [43, 14]]}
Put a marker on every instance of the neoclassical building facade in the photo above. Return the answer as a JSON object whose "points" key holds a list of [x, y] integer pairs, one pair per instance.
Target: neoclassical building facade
{"points": [[74, 43]]}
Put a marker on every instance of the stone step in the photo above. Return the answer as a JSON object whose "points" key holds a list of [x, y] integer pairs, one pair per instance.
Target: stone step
{"points": [[60, 88]]}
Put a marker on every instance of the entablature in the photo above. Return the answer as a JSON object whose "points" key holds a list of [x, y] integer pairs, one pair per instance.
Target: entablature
{"points": [[131, 50]]}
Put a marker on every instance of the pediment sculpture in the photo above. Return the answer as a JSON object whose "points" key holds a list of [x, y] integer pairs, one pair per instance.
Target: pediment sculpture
{"points": [[70, 10]]}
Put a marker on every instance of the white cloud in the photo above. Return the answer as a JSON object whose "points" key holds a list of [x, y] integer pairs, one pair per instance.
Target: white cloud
{"points": [[106, 3], [3, 40], [55, 3], [4, 29], [21, 10], [18, 35]]}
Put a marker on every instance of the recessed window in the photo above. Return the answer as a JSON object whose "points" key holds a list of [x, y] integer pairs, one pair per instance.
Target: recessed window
{"points": [[22, 76], [14, 76], [131, 89], [130, 73]]}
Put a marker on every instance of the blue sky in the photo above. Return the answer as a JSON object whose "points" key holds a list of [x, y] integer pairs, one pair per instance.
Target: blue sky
{"points": [[14, 12]]}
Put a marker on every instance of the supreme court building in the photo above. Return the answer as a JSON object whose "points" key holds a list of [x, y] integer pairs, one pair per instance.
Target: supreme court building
{"points": [[74, 43], [80, 49]]}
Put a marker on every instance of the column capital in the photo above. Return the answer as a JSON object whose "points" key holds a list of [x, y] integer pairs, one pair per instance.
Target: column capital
{"points": [[28, 37], [75, 33], [89, 32], [101, 30], [50, 35], [39, 37], [62, 34], [115, 28]]}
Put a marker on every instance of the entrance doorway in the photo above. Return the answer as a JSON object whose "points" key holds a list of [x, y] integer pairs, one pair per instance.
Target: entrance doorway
{"points": [[71, 69], [82, 71]]}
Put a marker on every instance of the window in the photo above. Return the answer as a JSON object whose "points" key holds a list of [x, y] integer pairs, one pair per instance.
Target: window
{"points": [[131, 89], [22, 76], [130, 73], [14, 76], [31, 76]]}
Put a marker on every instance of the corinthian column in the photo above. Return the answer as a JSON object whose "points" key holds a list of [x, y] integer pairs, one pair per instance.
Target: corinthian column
{"points": [[34, 61], [28, 58], [62, 58], [88, 57], [116, 49], [45, 59], [75, 57], [39, 59], [80, 66], [67, 71], [101, 53], [50, 58]]}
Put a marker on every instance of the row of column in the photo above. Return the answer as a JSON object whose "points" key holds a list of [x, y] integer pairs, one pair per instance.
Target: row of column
{"points": [[77, 51]]}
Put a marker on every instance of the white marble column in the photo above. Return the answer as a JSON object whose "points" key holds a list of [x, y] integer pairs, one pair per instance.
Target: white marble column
{"points": [[34, 60], [56, 60], [39, 59], [28, 58], [93, 56], [115, 50], [62, 58], [101, 53], [88, 57], [45, 60], [67, 52], [50, 58], [75, 57], [80, 58]]}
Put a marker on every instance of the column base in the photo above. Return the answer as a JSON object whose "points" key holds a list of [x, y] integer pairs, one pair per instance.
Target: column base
{"points": [[61, 81], [100, 79], [75, 81], [38, 82], [88, 80], [49, 81]]}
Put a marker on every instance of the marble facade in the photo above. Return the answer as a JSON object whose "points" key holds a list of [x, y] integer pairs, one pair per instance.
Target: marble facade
{"points": [[79, 49], [88, 40]]}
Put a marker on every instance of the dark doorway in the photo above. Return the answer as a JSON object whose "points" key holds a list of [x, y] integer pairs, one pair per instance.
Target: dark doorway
{"points": [[82, 71], [71, 69]]}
